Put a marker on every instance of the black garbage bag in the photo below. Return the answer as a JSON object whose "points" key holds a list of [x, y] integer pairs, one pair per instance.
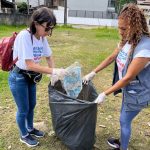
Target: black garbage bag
{"points": [[74, 120]]}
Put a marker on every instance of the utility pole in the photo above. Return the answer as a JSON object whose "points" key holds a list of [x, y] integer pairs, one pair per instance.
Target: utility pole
{"points": [[45, 3], [14, 8], [65, 12], [0, 7], [28, 6], [38, 2]]}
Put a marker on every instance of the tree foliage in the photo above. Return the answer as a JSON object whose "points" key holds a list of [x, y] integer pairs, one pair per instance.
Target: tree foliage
{"points": [[22, 7], [120, 4]]}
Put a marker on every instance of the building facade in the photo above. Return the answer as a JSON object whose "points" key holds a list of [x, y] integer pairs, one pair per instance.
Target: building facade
{"points": [[145, 6], [7, 6], [81, 8], [92, 8]]}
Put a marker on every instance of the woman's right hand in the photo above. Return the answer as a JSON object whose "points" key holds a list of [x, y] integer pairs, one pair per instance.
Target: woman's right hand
{"points": [[56, 74], [59, 72], [54, 79], [88, 77]]}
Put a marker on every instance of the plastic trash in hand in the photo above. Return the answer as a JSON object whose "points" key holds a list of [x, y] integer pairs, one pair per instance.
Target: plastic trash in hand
{"points": [[72, 81]]}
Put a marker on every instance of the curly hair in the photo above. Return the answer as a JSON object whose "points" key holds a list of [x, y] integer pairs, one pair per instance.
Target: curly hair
{"points": [[137, 25]]}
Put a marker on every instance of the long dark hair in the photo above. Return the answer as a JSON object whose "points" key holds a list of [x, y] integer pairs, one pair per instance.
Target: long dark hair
{"points": [[40, 16]]}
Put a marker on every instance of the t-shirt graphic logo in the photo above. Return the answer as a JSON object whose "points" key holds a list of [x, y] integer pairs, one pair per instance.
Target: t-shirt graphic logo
{"points": [[37, 53]]}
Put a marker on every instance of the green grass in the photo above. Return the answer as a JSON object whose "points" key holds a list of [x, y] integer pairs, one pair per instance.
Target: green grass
{"points": [[89, 47], [6, 30]]}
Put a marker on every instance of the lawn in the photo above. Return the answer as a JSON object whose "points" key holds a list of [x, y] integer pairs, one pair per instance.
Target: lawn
{"points": [[89, 47]]}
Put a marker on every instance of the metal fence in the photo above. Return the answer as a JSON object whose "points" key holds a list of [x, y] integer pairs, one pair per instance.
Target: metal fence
{"points": [[92, 14]]}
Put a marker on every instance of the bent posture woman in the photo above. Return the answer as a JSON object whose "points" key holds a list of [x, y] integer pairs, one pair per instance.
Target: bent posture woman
{"points": [[132, 70], [29, 46]]}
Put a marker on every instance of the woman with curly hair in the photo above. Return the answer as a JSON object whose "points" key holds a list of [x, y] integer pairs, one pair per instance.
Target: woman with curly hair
{"points": [[132, 70]]}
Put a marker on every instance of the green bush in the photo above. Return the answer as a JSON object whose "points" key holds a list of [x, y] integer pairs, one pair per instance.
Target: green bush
{"points": [[22, 7]]}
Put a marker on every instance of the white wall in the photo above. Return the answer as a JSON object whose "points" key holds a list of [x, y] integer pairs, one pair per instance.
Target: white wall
{"points": [[19, 0], [90, 5], [85, 21]]}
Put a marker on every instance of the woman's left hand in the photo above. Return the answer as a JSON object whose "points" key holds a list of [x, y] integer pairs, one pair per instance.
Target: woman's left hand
{"points": [[101, 97]]}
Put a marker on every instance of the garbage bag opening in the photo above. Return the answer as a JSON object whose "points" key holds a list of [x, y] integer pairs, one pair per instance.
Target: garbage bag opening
{"points": [[87, 93]]}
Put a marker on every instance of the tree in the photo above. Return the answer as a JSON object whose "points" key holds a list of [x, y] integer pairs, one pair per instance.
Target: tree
{"points": [[120, 3], [22, 7]]}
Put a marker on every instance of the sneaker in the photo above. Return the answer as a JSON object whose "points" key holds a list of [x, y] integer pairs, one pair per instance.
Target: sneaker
{"points": [[29, 141], [115, 143], [36, 133]]}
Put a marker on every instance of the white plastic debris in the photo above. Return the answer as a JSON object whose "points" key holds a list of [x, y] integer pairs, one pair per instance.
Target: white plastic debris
{"points": [[72, 81]]}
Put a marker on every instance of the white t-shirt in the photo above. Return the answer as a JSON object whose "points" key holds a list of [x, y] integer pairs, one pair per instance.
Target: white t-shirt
{"points": [[123, 56], [25, 48]]}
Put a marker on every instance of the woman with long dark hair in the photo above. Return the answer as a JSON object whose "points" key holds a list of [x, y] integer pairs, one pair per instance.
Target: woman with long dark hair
{"points": [[29, 47]]}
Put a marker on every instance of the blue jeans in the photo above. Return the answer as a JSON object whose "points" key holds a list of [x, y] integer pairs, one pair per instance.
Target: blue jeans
{"points": [[24, 94], [126, 118]]}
